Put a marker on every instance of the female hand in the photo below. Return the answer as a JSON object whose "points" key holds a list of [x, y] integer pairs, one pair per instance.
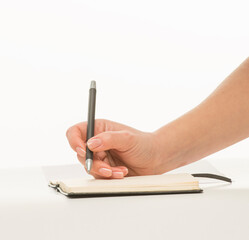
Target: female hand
{"points": [[218, 122], [119, 150]]}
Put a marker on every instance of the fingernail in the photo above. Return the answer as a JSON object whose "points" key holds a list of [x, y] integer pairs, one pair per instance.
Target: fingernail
{"points": [[105, 171], [80, 151], [93, 143], [125, 171], [117, 174]]}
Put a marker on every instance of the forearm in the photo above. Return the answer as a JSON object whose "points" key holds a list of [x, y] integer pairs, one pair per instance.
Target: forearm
{"points": [[218, 122]]}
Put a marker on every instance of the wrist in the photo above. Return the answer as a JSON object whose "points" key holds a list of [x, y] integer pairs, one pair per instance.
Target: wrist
{"points": [[170, 149]]}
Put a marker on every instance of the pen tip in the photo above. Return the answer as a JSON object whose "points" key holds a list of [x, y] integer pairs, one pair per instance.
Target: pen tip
{"points": [[93, 84], [88, 165]]}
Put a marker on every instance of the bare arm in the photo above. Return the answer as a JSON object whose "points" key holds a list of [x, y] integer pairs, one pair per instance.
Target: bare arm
{"points": [[218, 122]]}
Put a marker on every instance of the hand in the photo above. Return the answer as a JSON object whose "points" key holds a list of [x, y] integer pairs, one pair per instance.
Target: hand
{"points": [[119, 150]]}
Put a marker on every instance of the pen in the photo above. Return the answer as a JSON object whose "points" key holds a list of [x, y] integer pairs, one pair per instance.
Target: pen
{"points": [[90, 123]]}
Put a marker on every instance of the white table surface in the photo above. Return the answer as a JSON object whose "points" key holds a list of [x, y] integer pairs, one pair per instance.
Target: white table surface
{"points": [[29, 209]]}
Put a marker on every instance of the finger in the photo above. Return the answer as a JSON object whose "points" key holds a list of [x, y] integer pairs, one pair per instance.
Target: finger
{"points": [[98, 167], [108, 159], [123, 169], [101, 155], [77, 136], [78, 132], [119, 140], [102, 177], [101, 169]]}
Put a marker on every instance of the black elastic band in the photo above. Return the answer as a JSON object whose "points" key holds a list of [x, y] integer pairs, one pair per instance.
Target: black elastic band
{"points": [[209, 175]]}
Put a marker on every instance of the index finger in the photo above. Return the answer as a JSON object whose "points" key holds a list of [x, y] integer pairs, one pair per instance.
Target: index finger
{"points": [[76, 135]]}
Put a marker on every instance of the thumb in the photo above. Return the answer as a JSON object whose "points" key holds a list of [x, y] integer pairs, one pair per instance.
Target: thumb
{"points": [[119, 140]]}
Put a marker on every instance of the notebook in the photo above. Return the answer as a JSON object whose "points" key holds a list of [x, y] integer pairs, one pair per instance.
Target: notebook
{"points": [[71, 181], [138, 185]]}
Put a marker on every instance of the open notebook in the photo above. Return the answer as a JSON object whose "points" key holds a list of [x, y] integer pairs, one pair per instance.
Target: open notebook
{"points": [[139, 185]]}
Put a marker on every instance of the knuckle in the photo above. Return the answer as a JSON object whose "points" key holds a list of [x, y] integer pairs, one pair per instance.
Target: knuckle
{"points": [[128, 135], [68, 132], [100, 124], [103, 124]]}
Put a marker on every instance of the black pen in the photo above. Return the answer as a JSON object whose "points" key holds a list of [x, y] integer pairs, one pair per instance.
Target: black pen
{"points": [[90, 123]]}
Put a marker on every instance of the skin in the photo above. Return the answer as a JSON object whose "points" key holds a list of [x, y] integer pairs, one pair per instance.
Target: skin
{"points": [[219, 121]]}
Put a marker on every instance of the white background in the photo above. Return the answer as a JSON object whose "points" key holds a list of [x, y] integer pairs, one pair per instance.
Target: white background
{"points": [[152, 60]]}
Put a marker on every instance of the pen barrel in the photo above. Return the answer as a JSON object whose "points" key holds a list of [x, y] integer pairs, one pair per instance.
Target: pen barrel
{"points": [[91, 119]]}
